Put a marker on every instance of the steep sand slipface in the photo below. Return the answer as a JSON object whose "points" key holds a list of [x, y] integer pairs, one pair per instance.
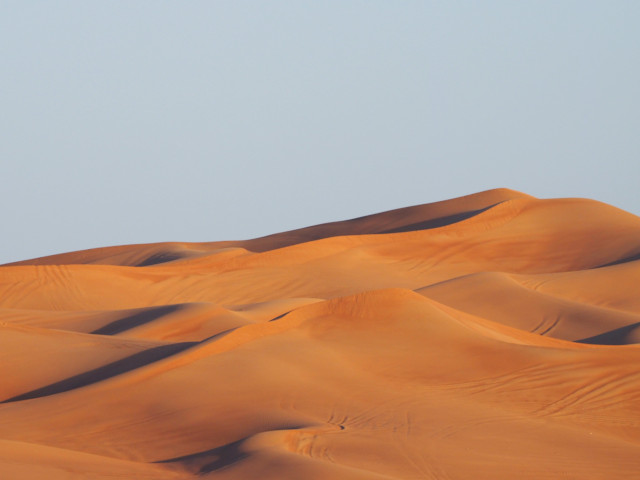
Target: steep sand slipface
{"points": [[485, 337]]}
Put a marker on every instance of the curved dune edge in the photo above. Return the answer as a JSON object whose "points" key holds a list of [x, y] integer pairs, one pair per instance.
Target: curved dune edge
{"points": [[493, 336]]}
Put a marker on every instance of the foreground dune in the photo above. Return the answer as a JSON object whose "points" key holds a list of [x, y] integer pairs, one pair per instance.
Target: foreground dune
{"points": [[492, 336]]}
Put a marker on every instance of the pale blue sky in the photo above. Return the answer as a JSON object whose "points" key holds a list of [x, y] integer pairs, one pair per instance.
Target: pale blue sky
{"points": [[145, 121]]}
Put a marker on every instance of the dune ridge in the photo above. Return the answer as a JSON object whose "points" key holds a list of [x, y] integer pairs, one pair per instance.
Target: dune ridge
{"points": [[489, 336]]}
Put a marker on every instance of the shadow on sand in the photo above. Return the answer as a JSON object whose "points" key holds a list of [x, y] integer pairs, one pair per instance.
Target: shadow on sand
{"points": [[162, 257], [209, 460], [619, 336], [145, 316], [438, 222], [631, 258], [102, 373]]}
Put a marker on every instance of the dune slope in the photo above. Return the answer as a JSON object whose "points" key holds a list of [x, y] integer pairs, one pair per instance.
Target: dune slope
{"points": [[490, 336]]}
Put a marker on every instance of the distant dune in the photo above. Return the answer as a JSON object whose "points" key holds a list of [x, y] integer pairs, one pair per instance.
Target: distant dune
{"points": [[491, 336]]}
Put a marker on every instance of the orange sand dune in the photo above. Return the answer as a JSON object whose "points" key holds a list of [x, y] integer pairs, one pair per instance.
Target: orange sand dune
{"points": [[491, 336], [499, 297]]}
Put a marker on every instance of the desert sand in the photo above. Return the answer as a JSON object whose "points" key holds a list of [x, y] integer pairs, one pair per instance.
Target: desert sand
{"points": [[492, 336]]}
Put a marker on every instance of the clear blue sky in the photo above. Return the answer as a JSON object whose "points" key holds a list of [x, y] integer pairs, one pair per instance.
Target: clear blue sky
{"points": [[144, 121]]}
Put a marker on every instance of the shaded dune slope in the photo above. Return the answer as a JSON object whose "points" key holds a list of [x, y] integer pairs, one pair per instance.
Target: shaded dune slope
{"points": [[491, 336]]}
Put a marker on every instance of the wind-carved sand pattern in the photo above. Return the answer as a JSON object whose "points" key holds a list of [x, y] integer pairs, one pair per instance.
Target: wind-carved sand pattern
{"points": [[492, 336]]}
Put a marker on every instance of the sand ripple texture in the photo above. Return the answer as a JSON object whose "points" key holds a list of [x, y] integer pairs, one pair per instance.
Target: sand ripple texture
{"points": [[491, 336]]}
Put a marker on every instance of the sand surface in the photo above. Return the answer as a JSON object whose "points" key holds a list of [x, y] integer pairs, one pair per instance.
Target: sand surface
{"points": [[492, 336]]}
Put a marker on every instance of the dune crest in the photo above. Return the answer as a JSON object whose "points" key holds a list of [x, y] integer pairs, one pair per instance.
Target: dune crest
{"points": [[490, 336]]}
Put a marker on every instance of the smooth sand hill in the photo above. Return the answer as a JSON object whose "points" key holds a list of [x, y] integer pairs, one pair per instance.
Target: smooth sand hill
{"points": [[492, 336]]}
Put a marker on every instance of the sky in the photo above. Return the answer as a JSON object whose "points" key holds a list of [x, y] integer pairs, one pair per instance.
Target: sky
{"points": [[146, 121]]}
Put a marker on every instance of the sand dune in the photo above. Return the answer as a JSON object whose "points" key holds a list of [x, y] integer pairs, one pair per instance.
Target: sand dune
{"points": [[490, 336], [499, 297]]}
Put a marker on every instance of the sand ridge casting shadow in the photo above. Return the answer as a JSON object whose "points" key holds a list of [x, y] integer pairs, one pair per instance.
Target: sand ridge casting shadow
{"points": [[210, 460], [135, 320], [618, 336], [631, 258], [366, 225], [158, 258], [438, 222], [220, 457], [113, 369]]}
